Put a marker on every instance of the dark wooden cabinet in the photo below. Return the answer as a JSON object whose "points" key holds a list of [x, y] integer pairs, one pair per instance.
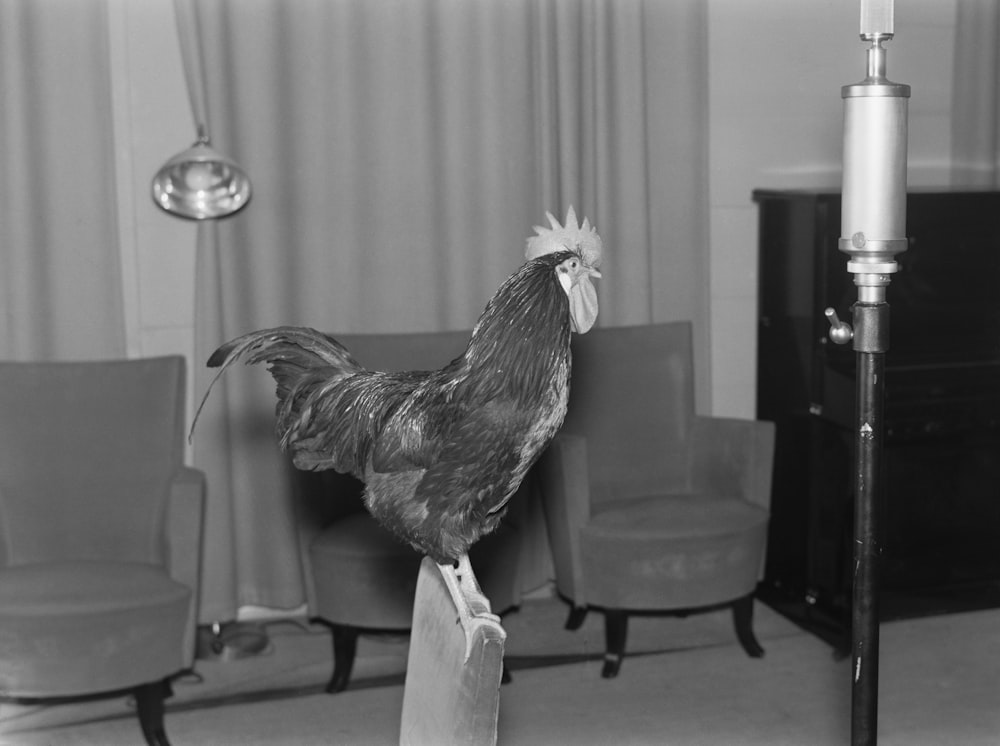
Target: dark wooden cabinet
{"points": [[941, 506]]}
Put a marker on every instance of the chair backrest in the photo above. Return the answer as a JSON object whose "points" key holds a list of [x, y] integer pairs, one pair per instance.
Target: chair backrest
{"points": [[452, 691], [632, 398], [86, 453], [394, 352]]}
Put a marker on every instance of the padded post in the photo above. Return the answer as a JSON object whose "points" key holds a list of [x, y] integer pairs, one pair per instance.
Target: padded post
{"points": [[452, 691]]}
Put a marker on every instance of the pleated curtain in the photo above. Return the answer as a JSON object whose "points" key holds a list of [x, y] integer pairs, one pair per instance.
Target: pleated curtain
{"points": [[60, 284], [401, 151]]}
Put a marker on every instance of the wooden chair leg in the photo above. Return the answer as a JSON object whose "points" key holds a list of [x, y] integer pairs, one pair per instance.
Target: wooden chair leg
{"points": [[576, 616], [149, 705], [615, 632], [743, 622], [345, 646]]}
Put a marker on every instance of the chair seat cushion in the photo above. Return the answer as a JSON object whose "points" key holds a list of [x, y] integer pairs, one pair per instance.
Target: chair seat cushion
{"points": [[674, 516], [672, 551], [361, 537], [363, 575], [73, 627]]}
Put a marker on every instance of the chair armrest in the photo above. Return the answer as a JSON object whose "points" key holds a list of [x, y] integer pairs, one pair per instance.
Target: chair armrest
{"points": [[185, 516], [733, 457], [185, 520], [564, 482]]}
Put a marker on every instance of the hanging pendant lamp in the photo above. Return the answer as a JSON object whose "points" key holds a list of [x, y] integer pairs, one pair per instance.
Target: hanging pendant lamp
{"points": [[201, 183], [198, 183]]}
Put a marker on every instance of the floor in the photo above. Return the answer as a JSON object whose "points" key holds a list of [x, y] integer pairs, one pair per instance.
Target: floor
{"points": [[939, 684]]}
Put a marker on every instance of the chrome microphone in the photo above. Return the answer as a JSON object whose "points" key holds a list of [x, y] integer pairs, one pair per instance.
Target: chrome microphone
{"points": [[873, 217]]}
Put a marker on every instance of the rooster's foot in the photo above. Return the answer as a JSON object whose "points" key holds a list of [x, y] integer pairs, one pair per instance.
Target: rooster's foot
{"points": [[461, 574]]}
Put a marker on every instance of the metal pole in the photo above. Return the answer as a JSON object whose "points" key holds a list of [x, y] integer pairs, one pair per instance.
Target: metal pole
{"points": [[871, 324], [873, 222]]}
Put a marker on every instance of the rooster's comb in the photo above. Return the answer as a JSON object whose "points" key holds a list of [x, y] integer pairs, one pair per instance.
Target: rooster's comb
{"points": [[571, 236]]}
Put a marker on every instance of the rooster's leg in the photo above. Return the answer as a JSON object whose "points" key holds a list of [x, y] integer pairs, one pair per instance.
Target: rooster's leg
{"points": [[463, 578], [466, 578]]}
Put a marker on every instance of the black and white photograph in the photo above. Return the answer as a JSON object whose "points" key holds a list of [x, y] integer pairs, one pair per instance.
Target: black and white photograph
{"points": [[499, 372]]}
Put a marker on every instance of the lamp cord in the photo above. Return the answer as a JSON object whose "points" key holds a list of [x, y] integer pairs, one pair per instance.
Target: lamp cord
{"points": [[194, 69]]}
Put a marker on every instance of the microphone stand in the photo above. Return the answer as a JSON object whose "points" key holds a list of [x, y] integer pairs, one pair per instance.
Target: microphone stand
{"points": [[873, 231]]}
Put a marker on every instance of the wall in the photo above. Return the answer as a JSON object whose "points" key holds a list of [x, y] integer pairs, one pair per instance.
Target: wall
{"points": [[776, 68], [776, 120]]}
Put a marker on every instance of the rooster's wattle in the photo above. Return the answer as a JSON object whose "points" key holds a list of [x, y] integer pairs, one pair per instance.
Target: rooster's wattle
{"points": [[441, 452]]}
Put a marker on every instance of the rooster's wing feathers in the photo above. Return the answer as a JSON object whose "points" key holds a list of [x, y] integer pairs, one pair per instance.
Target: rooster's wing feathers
{"points": [[335, 423], [414, 435]]}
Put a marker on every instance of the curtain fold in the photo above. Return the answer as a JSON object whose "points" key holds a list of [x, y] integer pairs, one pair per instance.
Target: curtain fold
{"points": [[60, 287], [975, 151], [401, 152]]}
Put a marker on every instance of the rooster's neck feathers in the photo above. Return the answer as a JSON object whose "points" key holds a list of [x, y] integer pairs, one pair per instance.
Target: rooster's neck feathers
{"points": [[523, 333]]}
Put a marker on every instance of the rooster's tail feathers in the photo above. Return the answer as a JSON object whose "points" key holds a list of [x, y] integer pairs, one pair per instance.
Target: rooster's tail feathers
{"points": [[290, 350], [297, 343]]}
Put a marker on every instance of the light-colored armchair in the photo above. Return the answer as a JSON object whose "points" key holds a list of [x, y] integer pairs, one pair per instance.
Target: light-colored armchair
{"points": [[650, 507], [100, 532]]}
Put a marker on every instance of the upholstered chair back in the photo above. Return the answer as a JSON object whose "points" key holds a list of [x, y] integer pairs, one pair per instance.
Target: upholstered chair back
{"points": [[650, 369], [85, 441], [427, 351]]}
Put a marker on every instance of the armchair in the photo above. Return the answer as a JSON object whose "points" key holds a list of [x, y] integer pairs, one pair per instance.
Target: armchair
{"points": [[650, 507], [100, 532]]}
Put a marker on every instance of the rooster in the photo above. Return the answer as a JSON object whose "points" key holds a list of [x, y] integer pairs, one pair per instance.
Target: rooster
{"points": [[441, 452]]}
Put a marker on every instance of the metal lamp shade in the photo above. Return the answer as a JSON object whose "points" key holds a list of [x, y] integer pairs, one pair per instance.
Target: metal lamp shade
{"points": [[200, 183]]}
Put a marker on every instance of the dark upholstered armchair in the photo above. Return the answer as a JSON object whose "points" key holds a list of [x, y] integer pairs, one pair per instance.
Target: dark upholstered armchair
{"points": [[100, 532], [359, 577], [651, 507]]}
